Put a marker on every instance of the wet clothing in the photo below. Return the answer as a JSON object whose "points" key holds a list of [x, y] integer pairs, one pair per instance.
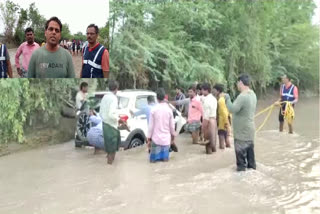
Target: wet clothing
{"points": [[95, 133], [159, 153], [161, 124], [108, 109], [95, 62], [46, 64], [287, 93], [4, 57], [111, 138], [192, 126], [195, 110], [209, 107], [244, 154], [223, 114], [243, 110]]}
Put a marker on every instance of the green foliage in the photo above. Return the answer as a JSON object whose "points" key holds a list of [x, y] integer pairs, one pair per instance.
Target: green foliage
{"points": [[9, 16], [104, 36], [169, 42], [30, 101]]}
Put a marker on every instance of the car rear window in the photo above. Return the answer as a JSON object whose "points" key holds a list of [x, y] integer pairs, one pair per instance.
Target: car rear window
{"points": [[123, 102]]}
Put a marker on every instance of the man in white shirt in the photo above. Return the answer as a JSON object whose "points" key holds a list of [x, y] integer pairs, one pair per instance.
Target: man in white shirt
{"points": [[81, 95], [209, 124], [110, 118]]}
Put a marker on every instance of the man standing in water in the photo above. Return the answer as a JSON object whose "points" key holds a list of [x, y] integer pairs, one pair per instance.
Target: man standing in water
{"points": [[243, 110], [209, 124], [288, 92], [51, 60], [110, 118], [161, 129], [195, 113]]}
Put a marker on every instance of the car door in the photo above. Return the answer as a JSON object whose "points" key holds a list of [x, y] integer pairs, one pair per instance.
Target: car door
{"points": [[140, 121]]}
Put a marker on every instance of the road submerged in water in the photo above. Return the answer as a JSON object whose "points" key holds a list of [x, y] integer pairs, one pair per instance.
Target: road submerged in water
{"points": [[62, 179]]}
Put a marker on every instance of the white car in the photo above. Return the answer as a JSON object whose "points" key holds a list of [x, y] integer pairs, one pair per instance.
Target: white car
{"points": [[128, 100]]}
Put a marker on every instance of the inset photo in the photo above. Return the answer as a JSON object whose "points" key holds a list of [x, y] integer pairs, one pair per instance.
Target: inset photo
{"points": [[64, 39]]}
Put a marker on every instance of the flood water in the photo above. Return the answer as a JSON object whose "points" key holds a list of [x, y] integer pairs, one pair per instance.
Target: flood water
{"points": [[62, 179]]}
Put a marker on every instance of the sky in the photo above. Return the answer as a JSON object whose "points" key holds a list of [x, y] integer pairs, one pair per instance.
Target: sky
{"points": [[316, 17], [77, 14]]}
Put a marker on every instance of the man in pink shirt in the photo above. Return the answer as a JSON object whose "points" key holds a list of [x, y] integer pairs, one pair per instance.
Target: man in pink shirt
{"points": [[194, 115], [26, 49], [161, 129]]}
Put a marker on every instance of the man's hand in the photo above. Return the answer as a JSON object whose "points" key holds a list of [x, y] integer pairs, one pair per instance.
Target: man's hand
{"points": [[19, 71], [131, 112], [277, 103], [149, 143]]}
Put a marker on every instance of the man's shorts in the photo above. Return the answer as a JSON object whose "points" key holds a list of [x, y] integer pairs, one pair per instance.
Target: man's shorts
{"points": [[193, 126]]}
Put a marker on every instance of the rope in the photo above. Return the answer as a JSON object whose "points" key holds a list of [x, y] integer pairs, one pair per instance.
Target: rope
{"points": [[288, 114]]}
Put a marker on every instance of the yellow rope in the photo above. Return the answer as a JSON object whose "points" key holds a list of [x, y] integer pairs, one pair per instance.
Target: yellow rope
{"points": [[288, 114]]}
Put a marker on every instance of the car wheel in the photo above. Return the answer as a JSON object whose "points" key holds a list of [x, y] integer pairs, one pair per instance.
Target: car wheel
{"points": [[83, 126], [135, 142], [77, 144]]}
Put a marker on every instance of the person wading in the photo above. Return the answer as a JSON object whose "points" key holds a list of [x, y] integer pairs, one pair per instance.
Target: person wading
{"points": [[223, 117], [110, 118], [95, 63], [195, 113], [161, 129], [26, 49], [288, 93], [209, 124], [243, 110]]}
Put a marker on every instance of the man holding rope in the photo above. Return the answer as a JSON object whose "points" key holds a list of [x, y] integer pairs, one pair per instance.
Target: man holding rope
{"points": [[288, 93]]}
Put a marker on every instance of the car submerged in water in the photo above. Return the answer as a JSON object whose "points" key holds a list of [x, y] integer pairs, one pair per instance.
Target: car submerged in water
{"points": [[132, 135]]}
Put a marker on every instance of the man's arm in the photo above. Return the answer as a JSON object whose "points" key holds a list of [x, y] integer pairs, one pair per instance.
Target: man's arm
{"points": [[151, 126], [295, 94], [105, 63], [32, 66], [181, 102], [234, 107], [18, 54], [9, 69], [70, 70]]}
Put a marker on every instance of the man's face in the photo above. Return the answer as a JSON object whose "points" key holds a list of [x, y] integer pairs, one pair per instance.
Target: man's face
{"points": [[92, 35], [191, 93], [204, 92], [30, 37], [177, 90], [284, 79], [53, 33], [215, 92], [239, 84], [85, 89]]}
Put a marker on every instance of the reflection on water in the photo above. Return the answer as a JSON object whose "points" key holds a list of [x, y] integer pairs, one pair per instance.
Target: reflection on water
{"points": [[61, 179]]}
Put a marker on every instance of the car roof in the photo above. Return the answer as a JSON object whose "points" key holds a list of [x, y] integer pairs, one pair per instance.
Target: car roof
{"points": [[129, 92]]}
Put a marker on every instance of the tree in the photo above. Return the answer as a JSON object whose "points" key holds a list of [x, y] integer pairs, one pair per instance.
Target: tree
{"points": [[9, 16]]}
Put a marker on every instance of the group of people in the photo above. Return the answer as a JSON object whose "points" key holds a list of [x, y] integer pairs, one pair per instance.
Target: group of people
{"points": [[209, 112], [52, 60], [74, 46]]}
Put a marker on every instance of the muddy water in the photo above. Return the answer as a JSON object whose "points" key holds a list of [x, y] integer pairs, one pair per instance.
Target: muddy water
{"points": [[61, 179]]}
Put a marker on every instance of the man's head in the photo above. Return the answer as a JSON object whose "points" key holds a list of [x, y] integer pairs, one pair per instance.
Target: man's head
{"points": [[92, 33], [53, 31], [285, 79], [84, 87], [198, 89], [29, 35], [150, 99], [243, 82], [161, 94], [205, 89], [178, 90], [217, 89], [192, 92], [113, 86]]}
